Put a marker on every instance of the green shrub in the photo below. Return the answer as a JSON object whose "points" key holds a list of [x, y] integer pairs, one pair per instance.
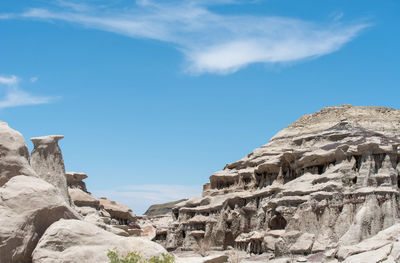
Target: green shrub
{"points": [[134, 257]]}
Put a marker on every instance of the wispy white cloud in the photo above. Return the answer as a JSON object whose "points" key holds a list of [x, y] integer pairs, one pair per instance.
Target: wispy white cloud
{"points": [[33, 79], [13, 96], [140, 197], [9, 81], [211, 42]]}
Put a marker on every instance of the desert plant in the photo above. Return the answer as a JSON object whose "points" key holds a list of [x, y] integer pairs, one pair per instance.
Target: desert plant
{"points": [[135, 257], [166, 258]]}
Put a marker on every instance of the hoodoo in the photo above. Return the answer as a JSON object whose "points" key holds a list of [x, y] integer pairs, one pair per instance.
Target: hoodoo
{"points": [[48, 163]]}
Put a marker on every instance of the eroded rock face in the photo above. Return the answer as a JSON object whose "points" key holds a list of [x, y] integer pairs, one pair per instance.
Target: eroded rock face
{"points": [[106, 214], [75, 180], [28, 205], [162, 209], [329, 179], [48, 163], [80, 241], [118, 211], [14, 154]]}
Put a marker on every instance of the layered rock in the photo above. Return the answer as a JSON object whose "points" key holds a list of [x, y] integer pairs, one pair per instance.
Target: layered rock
{"points": [[329, 179], [109, 215], [75, 180], [48, 163], [162, 209], [120, 212], [14, 154]]}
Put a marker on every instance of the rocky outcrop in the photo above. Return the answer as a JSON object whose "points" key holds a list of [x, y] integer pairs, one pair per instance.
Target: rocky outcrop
{"points": [[28, 206], [328, 180], [75, 180], [162, 209], [120, 212], [48, 163], [106, 214], [79, 241], [34, 197], [14, 154]]}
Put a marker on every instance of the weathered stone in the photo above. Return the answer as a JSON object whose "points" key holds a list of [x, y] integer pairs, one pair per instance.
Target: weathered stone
{"points": [[48, 163], [162, 209], [117, 210], [75, 180], [81, 198], [28, 205], [79, 241], [333, 174], [14, 155]]}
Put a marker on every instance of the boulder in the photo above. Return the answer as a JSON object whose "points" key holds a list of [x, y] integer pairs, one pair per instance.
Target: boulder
{"points": [[14, 154], [28, 206], [79, 241], [48, 163]]}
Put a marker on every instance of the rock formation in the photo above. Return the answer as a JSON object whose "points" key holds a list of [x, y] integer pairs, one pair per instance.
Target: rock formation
{"points": [[326, 182], [79, 241], [75, 180], [14, 154], [28, 206], [34, 197], [48, 163], [162, 209], [107, 214]]}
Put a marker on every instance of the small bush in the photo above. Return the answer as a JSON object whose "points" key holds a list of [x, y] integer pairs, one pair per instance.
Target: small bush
{"points": [[134, 257]]}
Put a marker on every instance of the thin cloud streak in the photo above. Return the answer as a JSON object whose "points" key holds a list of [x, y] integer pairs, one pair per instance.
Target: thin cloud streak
{"points": [[212, 42], [13, 96], [140, 197]]}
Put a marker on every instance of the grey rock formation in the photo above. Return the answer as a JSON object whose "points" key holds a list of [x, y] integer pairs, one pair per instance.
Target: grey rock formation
{"points": [[162, 209], [328, 180], [80, 241], [48, 163], [106, 214], [75, 180], [34, 196], [28, 206], [14, 154]]}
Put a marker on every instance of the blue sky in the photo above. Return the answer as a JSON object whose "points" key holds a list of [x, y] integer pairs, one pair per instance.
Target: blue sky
{"points": [[155, 96]]}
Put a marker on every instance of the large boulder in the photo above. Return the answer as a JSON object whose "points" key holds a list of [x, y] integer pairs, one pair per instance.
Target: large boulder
{"points": [[79, 241], [48, 163], [14, 154], [28, 206]]}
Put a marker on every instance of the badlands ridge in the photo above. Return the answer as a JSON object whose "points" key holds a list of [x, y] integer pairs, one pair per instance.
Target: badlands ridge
{"points": [[324, 189]]}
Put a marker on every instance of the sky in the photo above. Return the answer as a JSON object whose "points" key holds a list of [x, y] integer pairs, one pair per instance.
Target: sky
{"points": [[155, 96]]}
